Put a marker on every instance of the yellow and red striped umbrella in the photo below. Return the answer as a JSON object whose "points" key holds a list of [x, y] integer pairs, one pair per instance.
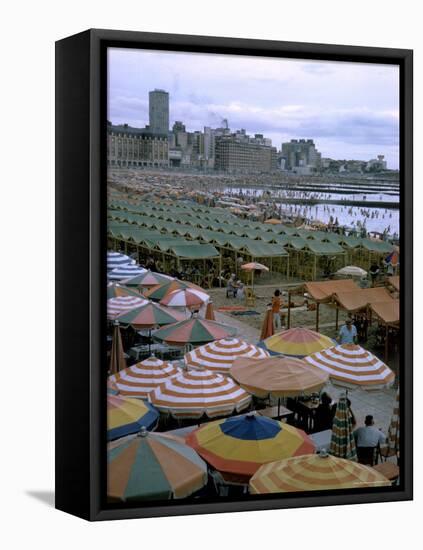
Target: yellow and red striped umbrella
{"points": [[195, 393], [140, 379], [297, 342], [151, 466], [314, 473], [218, 356], [350, 365]]}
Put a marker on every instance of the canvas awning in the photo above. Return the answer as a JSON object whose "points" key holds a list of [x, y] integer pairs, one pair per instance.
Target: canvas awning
{"points": [[323, 291], [387, 312], [395, 282], [362, 298], [195, 251]]}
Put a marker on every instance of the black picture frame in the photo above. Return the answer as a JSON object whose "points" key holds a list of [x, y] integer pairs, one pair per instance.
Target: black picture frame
{"points": [[81, 259]]}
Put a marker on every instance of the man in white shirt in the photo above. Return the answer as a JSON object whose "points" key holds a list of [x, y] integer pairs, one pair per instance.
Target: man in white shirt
{"points": [[368, 435]]}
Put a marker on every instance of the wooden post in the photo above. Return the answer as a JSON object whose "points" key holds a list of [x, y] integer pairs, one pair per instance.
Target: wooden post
{"points": [[287, 268], [337, 318], [315, 267], [289, 309], [317, 316], [220, 269], [386, 343]]}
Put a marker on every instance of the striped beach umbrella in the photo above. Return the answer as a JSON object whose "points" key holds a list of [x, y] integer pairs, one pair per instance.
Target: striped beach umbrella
{"points": [[151, 466], [140, 379], [277, 376], [148, 279], [117, 259], [126, 416], [394, 429], [342, 443], [239, 446], [196, 393], [218, 356], [125, 272], [297, 342], [115, 290], [194, 331], [186, 297], [349, 365], [149, 316], [123, 304], [315, 472], [157, 293]]}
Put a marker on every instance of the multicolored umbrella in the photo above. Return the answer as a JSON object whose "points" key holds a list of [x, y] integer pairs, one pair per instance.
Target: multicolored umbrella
{"points": [[153, 466], [219, 356], [148, 279], [115, 290], [140, 379], [297, 342], [342, 443], [252, 267], [126, 416], [123, 304], [117, 357], [186, 297], [194, 331], [125, 272], [157, 293], [239, 446], [350, 365], [277, 376], [394, 429], [196, 393], [117, 259], [149, 316], [316, 472]]}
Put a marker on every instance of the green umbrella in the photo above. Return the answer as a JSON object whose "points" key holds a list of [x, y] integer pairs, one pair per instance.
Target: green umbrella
{"points": [[147, 279], [159, 292], [342, 443], [115, 290], [194, 331], [150, 315]]}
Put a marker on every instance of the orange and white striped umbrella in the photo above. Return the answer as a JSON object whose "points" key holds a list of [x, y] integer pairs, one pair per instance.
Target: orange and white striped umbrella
{"points": [[122, 304], [314, 473], [195, 393], [138, 380], [219, 355], [350, 365]]}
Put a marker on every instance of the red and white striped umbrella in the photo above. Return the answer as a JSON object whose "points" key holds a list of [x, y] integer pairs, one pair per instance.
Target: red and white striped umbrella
{"points": [[350, 365], [123, 304], [219, 356], [196, 393], [187, 297], [140, 379]]}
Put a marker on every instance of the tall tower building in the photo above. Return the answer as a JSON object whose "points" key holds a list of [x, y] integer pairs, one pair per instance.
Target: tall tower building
{"points": [[159, 111]]}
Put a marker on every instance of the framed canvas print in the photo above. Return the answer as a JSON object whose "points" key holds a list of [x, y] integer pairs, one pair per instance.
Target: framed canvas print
{"points": [[234, 218]]}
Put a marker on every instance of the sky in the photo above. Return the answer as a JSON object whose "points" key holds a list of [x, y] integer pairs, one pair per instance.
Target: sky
{"points": [[351, 110]]}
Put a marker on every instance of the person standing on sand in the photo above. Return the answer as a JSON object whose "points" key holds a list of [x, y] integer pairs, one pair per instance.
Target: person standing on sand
{"points": [[276, 310]]}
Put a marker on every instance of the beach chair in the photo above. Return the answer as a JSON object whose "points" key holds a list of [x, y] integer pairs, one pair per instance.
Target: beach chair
{"points": [[250, 297]]}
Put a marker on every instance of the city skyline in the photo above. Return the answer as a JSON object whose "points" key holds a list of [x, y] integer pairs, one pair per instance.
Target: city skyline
{"points": [[349, 109]]}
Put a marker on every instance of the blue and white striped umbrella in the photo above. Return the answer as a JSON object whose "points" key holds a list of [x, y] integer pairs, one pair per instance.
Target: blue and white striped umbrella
{"points": [[125, 272], [117, 259]]}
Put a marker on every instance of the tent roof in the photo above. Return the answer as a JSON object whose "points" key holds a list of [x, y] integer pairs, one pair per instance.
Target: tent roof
{"points": [[377, 245], [361, 298], [395, 282], [323, 291], [388, 312], [195, 251], [324, 249]]}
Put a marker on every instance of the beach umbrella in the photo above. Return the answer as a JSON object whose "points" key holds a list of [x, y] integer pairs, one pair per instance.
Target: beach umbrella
{"points": [[115, 290], [117, 357], [186, 297], [351, 271], [151, 466], [158, 292], [194, 331], [117, 259], [139, 379], [342, 443], [267, 327], [125, 272], [126, 416], [239, 446], [210, 312], [252, 267], [195, 393], [149, 316], [349, 365], [314, 472], [123, 304], [148, 279], [218, 356], [394, 429], [277, 376], [297, 342]]}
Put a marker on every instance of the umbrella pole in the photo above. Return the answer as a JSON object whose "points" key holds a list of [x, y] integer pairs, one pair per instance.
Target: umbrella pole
{"points": [[337, 318], [289, 309], [317, 316], [149, 341], [279, 407]]}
